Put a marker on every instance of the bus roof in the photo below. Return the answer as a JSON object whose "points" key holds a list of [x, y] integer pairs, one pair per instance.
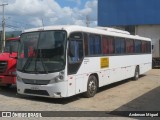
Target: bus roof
{"points": [[74, 28]]}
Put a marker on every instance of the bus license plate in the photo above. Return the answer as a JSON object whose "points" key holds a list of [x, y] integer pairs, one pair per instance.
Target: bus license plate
{"points": [[34, 88]]}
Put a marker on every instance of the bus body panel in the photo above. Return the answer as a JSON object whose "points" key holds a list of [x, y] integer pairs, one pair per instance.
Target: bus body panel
{"points": [[107, 69], [120, 67]]}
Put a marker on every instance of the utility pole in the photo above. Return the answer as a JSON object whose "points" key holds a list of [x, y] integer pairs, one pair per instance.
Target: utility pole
{"points": [[87, 21], [42, 22], [3, 26]]}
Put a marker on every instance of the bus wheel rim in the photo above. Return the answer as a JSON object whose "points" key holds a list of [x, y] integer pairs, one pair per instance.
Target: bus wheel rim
{"points": [[92, 87]]}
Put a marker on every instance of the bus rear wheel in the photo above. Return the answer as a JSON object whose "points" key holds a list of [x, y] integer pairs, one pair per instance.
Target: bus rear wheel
{"points": [[91, 87], [136, 74]]}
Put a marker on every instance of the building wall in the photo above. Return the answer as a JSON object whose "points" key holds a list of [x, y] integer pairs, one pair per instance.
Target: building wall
{"points": [[128, 12], [0, 40], [153, 32]]}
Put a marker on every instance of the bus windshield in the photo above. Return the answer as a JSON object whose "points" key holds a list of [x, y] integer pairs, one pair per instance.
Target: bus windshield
{"points": [[11, 44], [42, 52]]}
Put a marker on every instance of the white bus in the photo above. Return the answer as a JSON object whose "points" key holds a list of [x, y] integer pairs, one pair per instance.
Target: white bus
{"points": [[62, 61]]}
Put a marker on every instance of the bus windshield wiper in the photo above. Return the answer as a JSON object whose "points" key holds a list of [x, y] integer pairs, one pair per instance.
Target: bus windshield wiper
{"points": [[27, 64], [42, 61]]}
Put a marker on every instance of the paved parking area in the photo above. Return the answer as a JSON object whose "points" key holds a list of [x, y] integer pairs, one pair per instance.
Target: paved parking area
{"points": [[128, 95]]}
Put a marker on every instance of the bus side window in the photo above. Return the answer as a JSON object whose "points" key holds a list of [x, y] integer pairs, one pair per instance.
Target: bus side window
{"points": [[138, 46], [149, 47], [129, 46], [119, 46], [94, 44], [111, 45], [144, 46], [86, 44], [105, 49], [75, 51]]}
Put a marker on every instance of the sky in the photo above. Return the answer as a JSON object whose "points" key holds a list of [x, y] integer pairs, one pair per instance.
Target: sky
{"points": [[25, 14]]}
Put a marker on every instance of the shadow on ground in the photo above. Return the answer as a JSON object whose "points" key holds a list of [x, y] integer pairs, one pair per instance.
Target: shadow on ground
{"points": [[147, 102]]}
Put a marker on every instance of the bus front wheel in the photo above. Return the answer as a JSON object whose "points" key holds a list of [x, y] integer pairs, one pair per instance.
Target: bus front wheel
{"points": [[91, 87]]}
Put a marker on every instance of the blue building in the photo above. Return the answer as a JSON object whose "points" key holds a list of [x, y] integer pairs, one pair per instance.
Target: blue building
{"points": [[141, 17], [128, 12]]}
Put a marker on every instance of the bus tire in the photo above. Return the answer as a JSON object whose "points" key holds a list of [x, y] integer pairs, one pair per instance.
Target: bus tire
{"points": [[91, 87], [136, 74]]}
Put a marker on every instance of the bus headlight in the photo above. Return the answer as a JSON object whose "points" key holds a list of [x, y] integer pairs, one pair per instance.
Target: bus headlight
{"points": [[19, 79], [61, 75], [58, 78]]}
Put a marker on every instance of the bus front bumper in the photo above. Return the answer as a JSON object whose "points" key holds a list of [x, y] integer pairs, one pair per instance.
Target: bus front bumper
{"points": [[56, 90]]}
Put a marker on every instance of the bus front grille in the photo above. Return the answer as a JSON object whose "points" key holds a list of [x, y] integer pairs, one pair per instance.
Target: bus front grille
{"points": [[36, 92], [3, 66], [36, 82]]}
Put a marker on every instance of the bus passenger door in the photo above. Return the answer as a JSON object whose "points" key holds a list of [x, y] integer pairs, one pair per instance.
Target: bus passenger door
{"points": [[75, 58]]}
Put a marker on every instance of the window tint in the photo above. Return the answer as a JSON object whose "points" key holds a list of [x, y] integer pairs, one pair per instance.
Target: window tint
{"points": [[107, 45], [119, 45], [86, 43], [148, 47], [129, 46], [94, 44], [144, 46], [75, 51], [137, 46], [111, 45]]}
